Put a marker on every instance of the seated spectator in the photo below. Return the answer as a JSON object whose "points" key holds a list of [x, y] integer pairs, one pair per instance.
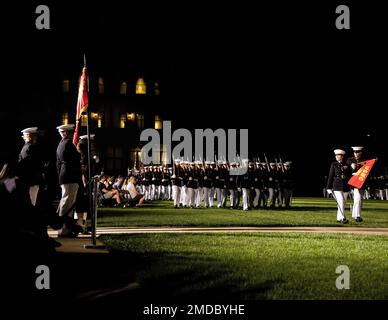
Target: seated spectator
{"points": [[107, 190], [125, 184], [136, 196], [111, 180], [119, 183]]}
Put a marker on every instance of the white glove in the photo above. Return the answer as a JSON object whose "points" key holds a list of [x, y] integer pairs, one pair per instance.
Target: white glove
{"points": [[329, 191], [353, 165]]}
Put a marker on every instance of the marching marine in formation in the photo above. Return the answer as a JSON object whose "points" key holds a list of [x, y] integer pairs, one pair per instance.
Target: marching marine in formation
{"points": [[192, 184]]}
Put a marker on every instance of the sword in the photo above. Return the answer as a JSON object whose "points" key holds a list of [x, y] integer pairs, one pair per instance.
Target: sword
{"points": [[335, 198]]}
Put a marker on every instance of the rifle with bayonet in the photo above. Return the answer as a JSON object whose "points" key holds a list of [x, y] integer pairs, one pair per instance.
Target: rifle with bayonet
{"points": [[266, 161]]}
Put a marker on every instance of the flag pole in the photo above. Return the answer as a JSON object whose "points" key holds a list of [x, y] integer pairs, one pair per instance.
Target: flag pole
{"points": [[91, 208], [92, 184]]}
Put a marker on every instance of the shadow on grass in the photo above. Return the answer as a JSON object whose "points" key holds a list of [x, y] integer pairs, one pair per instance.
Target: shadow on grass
{"points": [[158, 277]]}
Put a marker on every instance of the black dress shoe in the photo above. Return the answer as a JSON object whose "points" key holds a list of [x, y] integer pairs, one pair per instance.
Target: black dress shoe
{"points": [[359, 219], [345, 221]]}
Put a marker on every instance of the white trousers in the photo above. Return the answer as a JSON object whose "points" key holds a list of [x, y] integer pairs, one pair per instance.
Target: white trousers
{"points": [[80, 214], [198, 197], [287, 197], [280, 197], [357, 203], [190, 197], [245, 194], [341, 198], [176, 194], [155, 192], [69, 195], [34, 194], [232, 194], [257, 196], [169, 192], [386, 194], [206, 196], [220, 197], [271, 199], [146, 192], [164, 193], [184, 196], [211, 197]]}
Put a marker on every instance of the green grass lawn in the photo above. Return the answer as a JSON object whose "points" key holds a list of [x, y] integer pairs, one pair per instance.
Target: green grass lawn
{"points": [[253, 266], [305, 212]]}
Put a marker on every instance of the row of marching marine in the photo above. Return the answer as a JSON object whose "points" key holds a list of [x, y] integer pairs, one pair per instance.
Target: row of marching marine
{"points": [[210, 183]]}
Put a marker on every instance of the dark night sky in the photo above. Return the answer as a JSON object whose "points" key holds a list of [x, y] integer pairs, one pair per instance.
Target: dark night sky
{"points": [[280, 69]]}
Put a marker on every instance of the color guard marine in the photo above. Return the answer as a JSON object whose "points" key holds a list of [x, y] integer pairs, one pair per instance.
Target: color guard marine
{"points": [[337, 185], [355, 163]]}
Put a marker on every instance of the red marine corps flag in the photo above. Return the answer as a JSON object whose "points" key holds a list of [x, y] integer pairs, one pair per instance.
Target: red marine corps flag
{"points": [[360, 176], [82, 103]]}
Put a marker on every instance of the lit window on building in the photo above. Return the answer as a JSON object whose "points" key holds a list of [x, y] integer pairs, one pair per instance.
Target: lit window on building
{"points": [[65, 118], [140, 120], [66, 86], [140, 86], [123, 89], [101, 88], [157, 91], [131, 116], [158, 122], [84, 120], [123, 118], [94, 115], [97, 116]]}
